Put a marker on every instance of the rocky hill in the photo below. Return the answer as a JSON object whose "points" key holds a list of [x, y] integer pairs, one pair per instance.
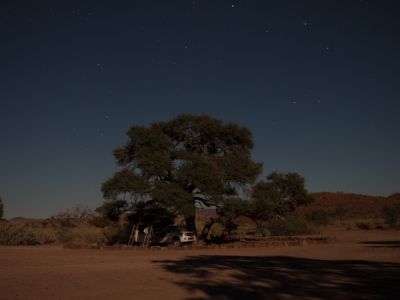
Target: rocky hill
{"points": [[351, 205]]}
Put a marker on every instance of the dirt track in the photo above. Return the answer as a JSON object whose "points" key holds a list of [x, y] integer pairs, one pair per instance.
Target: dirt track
{"points": [[362, 265]]}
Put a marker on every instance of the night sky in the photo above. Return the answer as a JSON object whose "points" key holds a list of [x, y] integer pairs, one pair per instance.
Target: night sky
{"points": [[317, 82]]}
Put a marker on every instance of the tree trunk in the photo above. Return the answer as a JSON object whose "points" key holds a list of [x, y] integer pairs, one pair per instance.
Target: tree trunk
{"points": [[191, 223]]}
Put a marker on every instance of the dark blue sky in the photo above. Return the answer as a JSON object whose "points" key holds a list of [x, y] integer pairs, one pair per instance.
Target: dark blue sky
{"points": [[317, 82]]}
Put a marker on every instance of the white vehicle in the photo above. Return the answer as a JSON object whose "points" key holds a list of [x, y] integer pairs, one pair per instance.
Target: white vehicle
{"points": [[174, 235]]}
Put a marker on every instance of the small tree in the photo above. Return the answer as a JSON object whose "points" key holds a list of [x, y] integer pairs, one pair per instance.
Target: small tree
{"points": [[392, 214], [275, 197]]}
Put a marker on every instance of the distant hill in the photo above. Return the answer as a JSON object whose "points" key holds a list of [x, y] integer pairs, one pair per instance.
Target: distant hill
{"points": [[353, 205]]}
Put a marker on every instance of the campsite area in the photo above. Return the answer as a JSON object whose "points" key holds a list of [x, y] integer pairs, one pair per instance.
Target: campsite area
{"points": [[353, 264]]}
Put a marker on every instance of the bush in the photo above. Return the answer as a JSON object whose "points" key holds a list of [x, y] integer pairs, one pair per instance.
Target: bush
{"points": [[24, 234], [290, 226], [391, 214], [99, 222], [115, 234], [340, 211], [262, 231], [318, 217], [363, 225], [80, 236]]}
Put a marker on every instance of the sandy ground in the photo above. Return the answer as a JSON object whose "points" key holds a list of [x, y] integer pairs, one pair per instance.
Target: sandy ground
{"points": [[359, 265]]}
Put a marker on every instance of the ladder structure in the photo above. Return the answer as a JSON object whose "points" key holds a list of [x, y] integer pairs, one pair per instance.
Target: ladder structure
{"points": [[132, 238], [147, 237]]}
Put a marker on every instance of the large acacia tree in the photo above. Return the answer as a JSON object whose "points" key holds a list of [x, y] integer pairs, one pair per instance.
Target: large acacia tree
{"points": [[183, 163]]}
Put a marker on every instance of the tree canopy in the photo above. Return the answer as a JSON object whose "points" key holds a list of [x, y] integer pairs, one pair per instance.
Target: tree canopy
{"points": [[187, 161], [278, 195], [275, 197]]}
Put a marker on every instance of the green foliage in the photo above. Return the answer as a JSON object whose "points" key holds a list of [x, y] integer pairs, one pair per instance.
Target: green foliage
{"points": [[178, 163], [290, 226], [391, 214], [215, 232], [113, 209], [318, 217], [152, 213], [271, 199], [279, 195], [232, 208], [116, 229]]}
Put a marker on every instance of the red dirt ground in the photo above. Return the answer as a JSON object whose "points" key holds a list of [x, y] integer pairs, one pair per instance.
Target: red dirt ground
{"points": [[359, 264]]}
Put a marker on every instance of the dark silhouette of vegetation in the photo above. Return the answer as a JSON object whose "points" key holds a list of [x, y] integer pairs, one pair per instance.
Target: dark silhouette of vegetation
{"points": [[364, 225], [151, 213], [274, 198], [318, 217], [290, 225], [283, 277], [340, 212], [392, 214], [113, 209], [116, 218], [186, 162]]}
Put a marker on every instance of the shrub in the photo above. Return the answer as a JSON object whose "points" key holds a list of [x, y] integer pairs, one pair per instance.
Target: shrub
{"points": [[262, 231], [363, 225], [318, 217], [340, 211], [80, 236], [290, 226], [25, 234], [115, 233], [391, 214], [99, 222]]}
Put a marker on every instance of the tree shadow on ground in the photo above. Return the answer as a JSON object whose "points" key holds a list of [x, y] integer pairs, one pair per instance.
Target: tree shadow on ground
{"points": [[283, 277], [382, 244]]}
